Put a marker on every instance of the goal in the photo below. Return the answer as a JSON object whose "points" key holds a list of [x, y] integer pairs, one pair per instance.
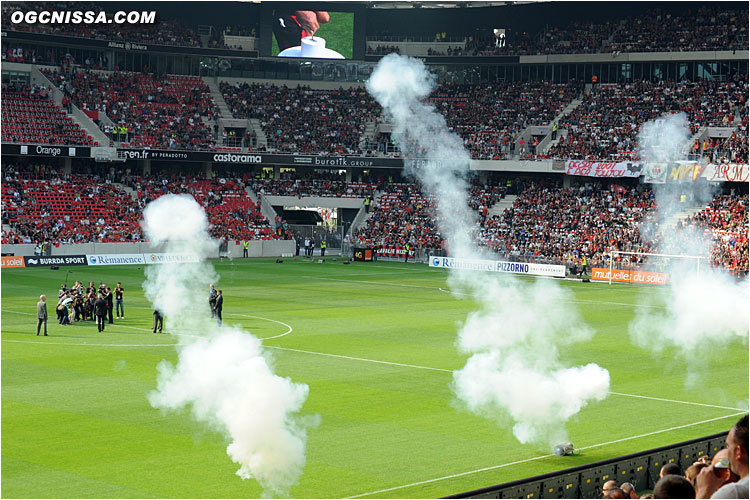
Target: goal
{"points": [[647, 268]]}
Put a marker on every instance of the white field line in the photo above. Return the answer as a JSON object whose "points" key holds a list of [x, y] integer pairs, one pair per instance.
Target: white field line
{"points": [[391, 363], [500, 466], [289, 328]]}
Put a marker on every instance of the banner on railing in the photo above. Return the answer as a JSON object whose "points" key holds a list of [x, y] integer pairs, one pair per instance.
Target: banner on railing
{"points": [[393, 251], [498, 266], [63, 260], [626, 276], [727, 172], [115, 259], [13, 261], [588, 168]]}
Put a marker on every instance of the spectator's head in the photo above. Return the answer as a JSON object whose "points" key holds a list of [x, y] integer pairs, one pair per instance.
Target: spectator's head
{"points": [[670, 469], [737, 448], [673, 486], [692, 471], [629, 490], [615, 493], [606, 487]]}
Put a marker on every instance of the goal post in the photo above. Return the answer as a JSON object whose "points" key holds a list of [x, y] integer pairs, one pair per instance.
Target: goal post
{"points": [[653, 268]]}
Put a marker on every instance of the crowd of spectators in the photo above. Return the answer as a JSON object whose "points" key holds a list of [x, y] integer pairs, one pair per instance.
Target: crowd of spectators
{"points": [[489, 116], [606, 124], [724, 222], [548, 223], [303, 120], [403, 214], [146, 110], [702, 27], [30, 116]]}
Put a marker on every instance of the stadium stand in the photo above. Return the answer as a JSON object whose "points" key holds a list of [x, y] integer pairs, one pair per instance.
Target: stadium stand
{"points": [[41, 204], [303, 120], [702, 28], [606, 124], [31, 117], [725, 222], [158, 111]]}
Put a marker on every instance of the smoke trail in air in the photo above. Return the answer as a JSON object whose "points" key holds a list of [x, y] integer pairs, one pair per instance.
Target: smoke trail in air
{"points": [[224, 376], [702, 309], [514, 370]]}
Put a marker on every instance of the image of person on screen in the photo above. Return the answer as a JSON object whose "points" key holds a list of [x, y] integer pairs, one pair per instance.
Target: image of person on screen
{"points": [[291, 26]]}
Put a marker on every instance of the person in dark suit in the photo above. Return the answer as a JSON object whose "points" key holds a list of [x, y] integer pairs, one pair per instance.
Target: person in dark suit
{"points": [[110, 300], [212, 299], [41, 314], [100, 310], [158, 320], [219, 305]]}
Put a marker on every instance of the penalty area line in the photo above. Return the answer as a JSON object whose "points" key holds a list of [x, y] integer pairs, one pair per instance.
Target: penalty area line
{"points": [[500, 466]]}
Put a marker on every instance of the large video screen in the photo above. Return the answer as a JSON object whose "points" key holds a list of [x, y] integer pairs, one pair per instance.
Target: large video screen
{"points": [[316, 34]]}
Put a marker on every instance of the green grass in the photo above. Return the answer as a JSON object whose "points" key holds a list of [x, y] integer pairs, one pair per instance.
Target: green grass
{"points": [[338, 34], [76, 422]]}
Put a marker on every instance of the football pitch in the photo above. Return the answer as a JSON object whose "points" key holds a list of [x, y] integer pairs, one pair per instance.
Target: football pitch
{"points": [[375, 342]]}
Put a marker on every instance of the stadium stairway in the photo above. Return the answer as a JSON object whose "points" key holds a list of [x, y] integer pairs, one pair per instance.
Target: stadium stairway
{"points": [[548, 142], [681, 213], [260, 136], [213, 86], [369, 134], [502, 205]]}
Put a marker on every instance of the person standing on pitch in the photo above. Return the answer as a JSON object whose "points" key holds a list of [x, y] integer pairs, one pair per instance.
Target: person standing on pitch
{"points": [[118, 301], [158, 320], [245, 245], [322, 248], [219, 305], [41, 314], [212, 299], [100, 310], [110, 300]]}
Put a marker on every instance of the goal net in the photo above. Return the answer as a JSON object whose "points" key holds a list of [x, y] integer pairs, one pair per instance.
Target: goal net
{"points": [[646, 268]]}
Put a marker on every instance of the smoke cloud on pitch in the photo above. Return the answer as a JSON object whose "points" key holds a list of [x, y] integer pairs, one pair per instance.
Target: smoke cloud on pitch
{"points": [[514, 372], [702, 309], [222, 375]]}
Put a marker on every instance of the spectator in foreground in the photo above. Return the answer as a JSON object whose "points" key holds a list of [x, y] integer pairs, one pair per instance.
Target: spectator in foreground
{"points": [[608, 486], [629, 490], [673, 486], [709, 485]]}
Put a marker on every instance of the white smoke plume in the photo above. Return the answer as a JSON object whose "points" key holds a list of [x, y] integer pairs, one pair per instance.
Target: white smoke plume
{"points": [[223, 374], [703, 309], [514, 370]]}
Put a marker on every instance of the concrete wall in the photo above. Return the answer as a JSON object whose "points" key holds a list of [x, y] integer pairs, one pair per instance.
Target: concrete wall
{"points": [[315, 201], [261, 248]]}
